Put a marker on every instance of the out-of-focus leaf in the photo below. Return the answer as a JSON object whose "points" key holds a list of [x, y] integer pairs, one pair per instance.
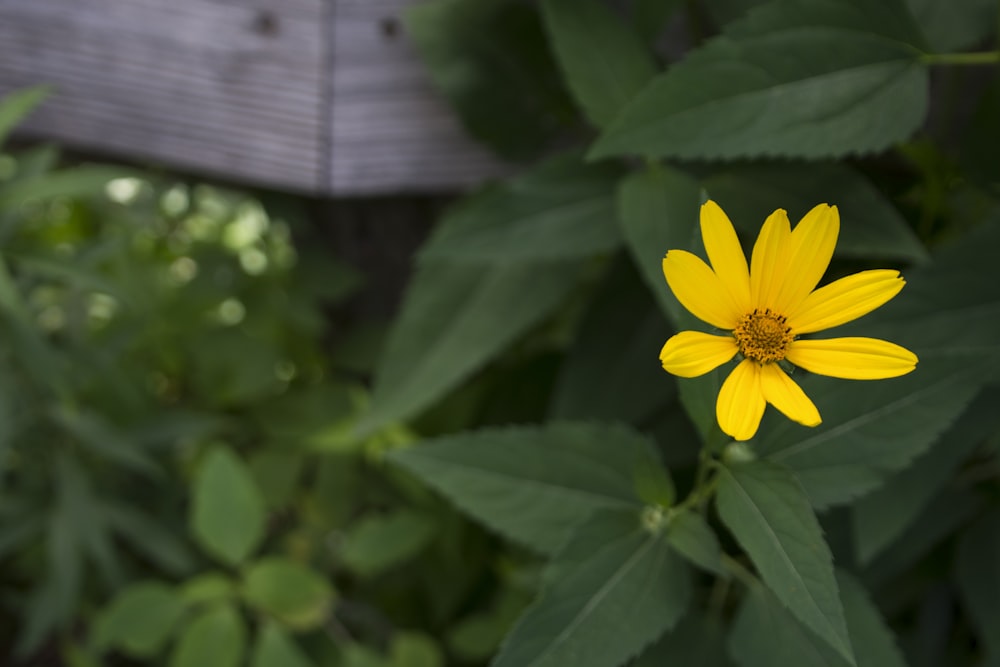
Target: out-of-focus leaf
{"points": [[377, 543], [882, 516], [612, 589], [956, 25], [603, 62], [651, 17], [140, 619], [289, 591], [534, 484], [476, 636], [562, 209], [208, 588], [277, 473], [454, 320], [150, 538], [691, 536], [490, 58], [611, 371], [766, 510], [227, 510], [414, 649], [696, 641], [94, 433], [870, 226], [214, 637], [15, 106], [274, 648], [82, 181], [978, 574], [855, 85]]}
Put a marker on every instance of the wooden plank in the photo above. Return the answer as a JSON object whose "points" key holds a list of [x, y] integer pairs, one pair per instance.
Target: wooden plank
{"points": [[214, 86], [390, 130]]}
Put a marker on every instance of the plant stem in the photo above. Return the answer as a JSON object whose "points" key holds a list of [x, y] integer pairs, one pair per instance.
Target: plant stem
{"points": [[973, 58], [735, 567]]}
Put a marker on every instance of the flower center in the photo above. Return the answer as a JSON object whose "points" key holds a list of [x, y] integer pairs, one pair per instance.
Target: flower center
{"points": [[763, 336]]}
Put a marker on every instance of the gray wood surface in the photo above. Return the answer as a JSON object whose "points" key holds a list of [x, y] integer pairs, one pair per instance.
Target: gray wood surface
{"points": [[317, 96]]}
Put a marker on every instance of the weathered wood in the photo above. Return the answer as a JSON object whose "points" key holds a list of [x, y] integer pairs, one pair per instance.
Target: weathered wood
{"points": [[319, 96]]}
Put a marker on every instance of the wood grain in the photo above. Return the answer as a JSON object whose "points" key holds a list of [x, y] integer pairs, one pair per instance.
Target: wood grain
{"points": [[316, 96]]}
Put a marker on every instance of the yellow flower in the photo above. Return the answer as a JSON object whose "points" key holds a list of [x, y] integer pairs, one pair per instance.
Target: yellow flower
{"points": [[766, 307]]}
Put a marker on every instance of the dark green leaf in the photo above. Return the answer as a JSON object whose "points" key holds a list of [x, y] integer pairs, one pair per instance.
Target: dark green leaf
{"points": [[454, 320], [227, 510], [764, 507], [562, 209], [611, 371], [414, 649], [93, 432], [611, 590], [978, 574], [140, 619], [289, 591], [870, 226], [872, 639], [15, 106], [882, 516], [651, 17], [956, 25], [82, 181], [215, 637], [490, 58], [376, 543], [274, 648], [534, 484], [855, 85], [151, 539], [603, 62], [691, 536], [697, 641]]}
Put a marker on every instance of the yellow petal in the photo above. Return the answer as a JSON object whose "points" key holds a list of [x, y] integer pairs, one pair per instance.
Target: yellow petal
{"points": [[809, 253], [699, 290], [741, 401], [844, 300], [770, 257], [783, 393], [726, 254], [693, 353], [852, 358]]}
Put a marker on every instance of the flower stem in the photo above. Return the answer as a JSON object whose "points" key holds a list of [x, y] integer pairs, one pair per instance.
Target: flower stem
{"points": [[973, 58]]}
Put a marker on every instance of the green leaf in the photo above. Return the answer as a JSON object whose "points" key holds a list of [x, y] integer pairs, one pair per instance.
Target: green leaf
{"points": [[651, 17], [961, 24], [873, 641], [691, 536], [454, 320], [277, 473], [767, 511], [612, 589], [140, 619], [215, 637], [658, 210], [377, 543], [15, 106], [274, 648], [881, 517], [490, 58], [227, 510], [533, 484], [562, 209], [603, 62], [697, 641], [870, 226], [414, 649], [855, 85], [611, 372], [978, 574], [82, 181], [287, 590], [92, 431], [208, 588]]}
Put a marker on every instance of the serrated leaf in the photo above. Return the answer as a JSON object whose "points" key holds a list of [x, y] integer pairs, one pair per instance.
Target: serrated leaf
{"points": [[873, 641], [227, 509], [611, 590], [140, 619], [697, 641], [628, 385], [658, 210], [767, 511], [691, 536], [274, 648], [603, 62], [870, 226], [978, 574], [289, 591], [376, 543], [955, 25], [533, 484], [215, 637], [491, 60], [16, 106], [855, 85], [882, 516], [453, 321], [562, 209]]}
